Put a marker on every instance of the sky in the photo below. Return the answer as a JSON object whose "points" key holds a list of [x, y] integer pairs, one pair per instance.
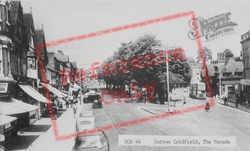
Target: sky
{"points": [[62, 19]]}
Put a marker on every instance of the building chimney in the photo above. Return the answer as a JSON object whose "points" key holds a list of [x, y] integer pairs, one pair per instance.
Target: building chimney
{"points": [[60, 52]]}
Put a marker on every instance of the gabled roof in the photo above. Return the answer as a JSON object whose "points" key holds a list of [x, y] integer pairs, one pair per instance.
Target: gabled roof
{"points": [[62, 58], [40, 40], [74, 64], [29, 24], [233, 66], [221, 68], [14, 12], [190, 60]]}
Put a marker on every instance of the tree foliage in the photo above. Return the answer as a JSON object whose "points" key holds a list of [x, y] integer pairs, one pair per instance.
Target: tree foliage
{"points": [[205, 53], [228, 53], [133, 62]]}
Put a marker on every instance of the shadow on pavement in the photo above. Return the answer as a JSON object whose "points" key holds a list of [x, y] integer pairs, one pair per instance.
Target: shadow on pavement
{"points": [[38, 128], [58, 114], [20, 142]]}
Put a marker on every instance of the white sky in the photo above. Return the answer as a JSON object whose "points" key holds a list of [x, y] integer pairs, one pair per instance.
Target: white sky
{"points": [[68, 18]]}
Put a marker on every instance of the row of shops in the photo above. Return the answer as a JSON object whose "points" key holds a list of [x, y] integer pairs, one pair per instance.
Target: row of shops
{"points": [[21, 105]]}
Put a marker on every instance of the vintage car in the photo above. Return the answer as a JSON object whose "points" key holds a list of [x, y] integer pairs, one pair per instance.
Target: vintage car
{"points": [[85, 123], [92, 142], [93, 97], [87, 114]]}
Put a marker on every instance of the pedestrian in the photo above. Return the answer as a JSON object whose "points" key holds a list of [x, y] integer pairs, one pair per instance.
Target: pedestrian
{"points": [[174, 103], [70, 98], [207, 107], [74, 110], [184, 100], [236, 100], [79, 97], [225, 100], [67, 104]]}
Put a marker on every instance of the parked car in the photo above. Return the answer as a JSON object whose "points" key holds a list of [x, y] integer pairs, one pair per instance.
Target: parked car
{"points": [[97, 103], [87, 114], [93, 97], [85, 123], [92, 142]]}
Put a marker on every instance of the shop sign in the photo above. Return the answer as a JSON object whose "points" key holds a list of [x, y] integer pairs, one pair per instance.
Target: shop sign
{"points": [[7, 126], [231, 82], [245, 82], [7, 87], [3, 87]]}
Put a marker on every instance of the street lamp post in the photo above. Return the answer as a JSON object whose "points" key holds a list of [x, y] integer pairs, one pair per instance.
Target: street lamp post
{"points": [[220, 85], [167, 79]]}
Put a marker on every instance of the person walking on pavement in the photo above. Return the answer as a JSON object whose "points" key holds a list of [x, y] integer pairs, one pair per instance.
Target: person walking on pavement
{"points": [[70, 98], [74, 109], [207, 107], [225, 100], [184, 100], [236, 100]]}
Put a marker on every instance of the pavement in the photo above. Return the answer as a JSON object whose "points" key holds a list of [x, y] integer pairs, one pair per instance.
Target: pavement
{"points": [[162, 108], [41, 137], [232, 105]]}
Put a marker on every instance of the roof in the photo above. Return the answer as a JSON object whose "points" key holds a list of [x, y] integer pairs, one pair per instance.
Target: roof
{"points": [[14, 12], [194, 65], [62, 58], [74, 64], [40, 39], [211, 71], [233, 66], [28, 23], [190, 60]]}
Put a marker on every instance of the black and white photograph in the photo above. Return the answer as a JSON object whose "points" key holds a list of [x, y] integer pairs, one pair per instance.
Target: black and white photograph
{"points": [[124, 75]]}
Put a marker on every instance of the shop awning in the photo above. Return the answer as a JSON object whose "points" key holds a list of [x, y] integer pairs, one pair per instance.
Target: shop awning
{"points": [[64, 92], [13, 106], [6, 119], [53, 90], [34, 94]]}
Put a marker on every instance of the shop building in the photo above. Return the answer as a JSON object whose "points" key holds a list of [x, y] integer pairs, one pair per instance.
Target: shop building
{"points": [[24, 114], [245, 44]]}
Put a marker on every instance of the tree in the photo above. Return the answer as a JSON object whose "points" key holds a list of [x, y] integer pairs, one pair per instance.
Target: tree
{"points": [[205, 53], [228, 53], [141, 72]]}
